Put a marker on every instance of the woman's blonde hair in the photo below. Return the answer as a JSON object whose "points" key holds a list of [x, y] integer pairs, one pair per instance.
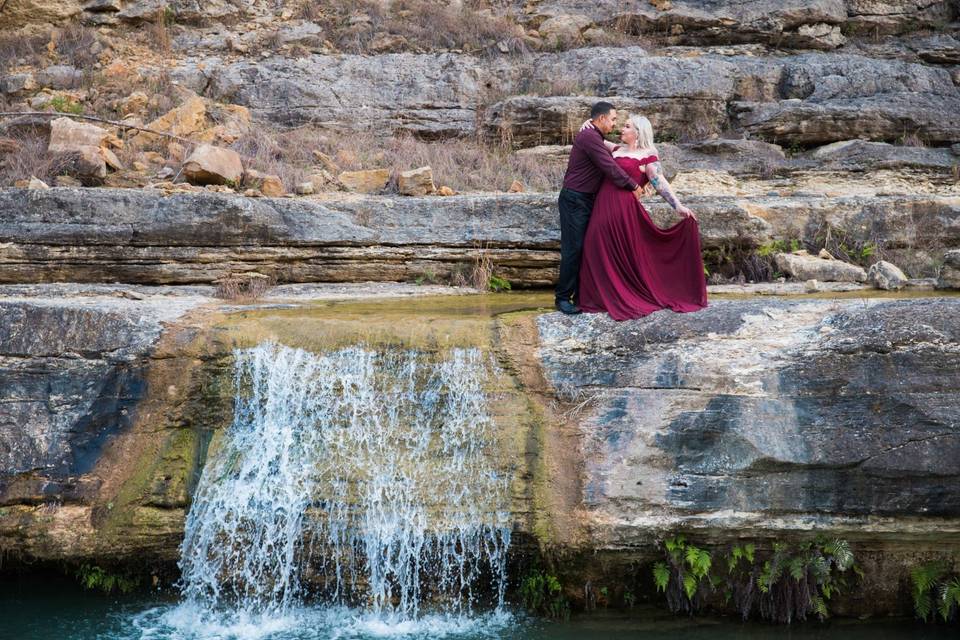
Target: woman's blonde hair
{"points": [[644, 131]]}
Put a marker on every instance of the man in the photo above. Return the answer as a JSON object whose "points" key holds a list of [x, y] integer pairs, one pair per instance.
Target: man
{"points": [[590, 162]]}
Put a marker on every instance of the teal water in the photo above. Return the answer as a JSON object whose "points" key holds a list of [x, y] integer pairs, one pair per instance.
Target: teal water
{"points": [[62, 612]]}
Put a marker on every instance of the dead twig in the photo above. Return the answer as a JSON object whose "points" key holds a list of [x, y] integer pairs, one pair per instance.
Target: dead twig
{"points": [[123, 125]]}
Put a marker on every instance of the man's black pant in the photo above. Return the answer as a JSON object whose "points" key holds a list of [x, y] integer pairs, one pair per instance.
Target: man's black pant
{"points": [[575, 208]]}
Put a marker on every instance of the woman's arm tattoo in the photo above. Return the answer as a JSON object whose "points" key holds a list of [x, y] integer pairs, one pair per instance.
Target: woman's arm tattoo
{"points": [[659, 182]]}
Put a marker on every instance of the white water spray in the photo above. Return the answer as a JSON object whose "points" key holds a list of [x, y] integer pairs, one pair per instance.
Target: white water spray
{"points": [[369, 472]]}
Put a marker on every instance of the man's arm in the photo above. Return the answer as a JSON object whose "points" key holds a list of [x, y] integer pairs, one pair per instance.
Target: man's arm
{"points": [[594, 148]]}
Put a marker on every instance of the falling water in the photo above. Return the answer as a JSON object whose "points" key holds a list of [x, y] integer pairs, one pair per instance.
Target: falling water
{"points": [[367, 472]]}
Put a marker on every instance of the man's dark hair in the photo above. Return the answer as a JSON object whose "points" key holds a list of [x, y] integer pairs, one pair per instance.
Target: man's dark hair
{"points": [[600, 109]]}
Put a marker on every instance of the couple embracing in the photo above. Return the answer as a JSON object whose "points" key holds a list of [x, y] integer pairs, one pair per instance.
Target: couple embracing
{"points": [[613, 257]]}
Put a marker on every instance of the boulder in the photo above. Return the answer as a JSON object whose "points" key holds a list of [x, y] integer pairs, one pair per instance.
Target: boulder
{"points": [[564, 30], [183, 121], [807, 267], [134, 103], [887, 276], [60, 76], [304, 189], [213, 165], [950, 271], [84, 142], [272, 186], [36, 183], [366, 181], [18, 83], [416, 182]]}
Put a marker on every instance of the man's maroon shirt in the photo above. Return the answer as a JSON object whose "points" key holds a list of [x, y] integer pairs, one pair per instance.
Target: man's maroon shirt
{"points": [[590, 162]]}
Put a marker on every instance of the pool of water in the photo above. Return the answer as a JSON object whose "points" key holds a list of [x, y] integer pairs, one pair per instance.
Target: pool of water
{"points": [[64, 612]]}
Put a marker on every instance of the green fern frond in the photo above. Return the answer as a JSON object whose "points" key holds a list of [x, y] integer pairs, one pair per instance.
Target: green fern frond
{"points": [[661, 576], [842, 555], [820, 607]]}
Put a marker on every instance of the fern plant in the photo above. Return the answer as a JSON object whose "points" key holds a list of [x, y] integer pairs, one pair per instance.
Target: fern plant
{"points": [[542, 593], [785, 584], [685, 577], [95, 578], [935, 592]]}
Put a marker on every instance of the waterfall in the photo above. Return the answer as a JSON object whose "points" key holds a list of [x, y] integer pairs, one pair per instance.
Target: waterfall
{"points": [[370, 472]]}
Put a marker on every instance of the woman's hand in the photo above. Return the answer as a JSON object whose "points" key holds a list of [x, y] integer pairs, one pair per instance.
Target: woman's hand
{"points": [[686, 213], [586, 123]]}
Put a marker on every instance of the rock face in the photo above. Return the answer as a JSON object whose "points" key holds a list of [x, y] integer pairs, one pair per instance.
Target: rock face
{"points": [[807, 267], [834, 96], [104, 235], [767, 418], [19, 13], [73, 374]]}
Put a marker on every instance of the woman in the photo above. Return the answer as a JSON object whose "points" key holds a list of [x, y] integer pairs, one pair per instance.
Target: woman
{"points": [[631, 267]]}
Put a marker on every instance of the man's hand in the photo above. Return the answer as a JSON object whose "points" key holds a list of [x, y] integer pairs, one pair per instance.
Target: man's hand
{"points": [[638, 192], [686, 213], [648, 189]]}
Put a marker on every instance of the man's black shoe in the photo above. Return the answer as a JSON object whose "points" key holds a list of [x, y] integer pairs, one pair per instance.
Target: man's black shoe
{"points": [[567, 307]]}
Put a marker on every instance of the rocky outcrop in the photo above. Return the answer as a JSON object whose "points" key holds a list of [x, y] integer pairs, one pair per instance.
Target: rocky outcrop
{"points": [[20, 13], [835, 97], [769, 406], [819, 24], [770, 420], [73, 380], [107, 235], [109, 398]]}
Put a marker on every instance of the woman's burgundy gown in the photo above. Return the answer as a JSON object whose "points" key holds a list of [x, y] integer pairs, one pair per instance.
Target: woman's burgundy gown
{"points": [[630, 266]]}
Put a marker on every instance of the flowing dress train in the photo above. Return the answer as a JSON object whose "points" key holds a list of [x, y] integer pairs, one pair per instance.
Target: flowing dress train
{"points": [[631, 267]]}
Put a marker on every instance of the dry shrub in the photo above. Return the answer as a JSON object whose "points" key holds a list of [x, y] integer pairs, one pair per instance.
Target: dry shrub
{"points": [[160, 29], [912, 139], [556, 86], [462, 164], [14, 47], [471, 165], [243, 287], [284, 153], [480, 274], [30, 158], [77, 46]]}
